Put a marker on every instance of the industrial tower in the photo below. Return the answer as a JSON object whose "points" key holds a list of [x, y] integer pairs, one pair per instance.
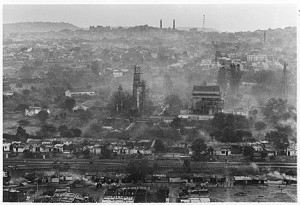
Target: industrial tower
{"points": [[160, 24], [174, 24], [139, 90], [203, 26], [284, 86]]}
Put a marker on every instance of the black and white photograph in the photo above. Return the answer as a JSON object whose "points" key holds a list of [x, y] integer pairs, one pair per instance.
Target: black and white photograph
{"points": [[156, 102]]}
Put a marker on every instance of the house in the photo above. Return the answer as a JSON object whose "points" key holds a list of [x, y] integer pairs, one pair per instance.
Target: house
{"points": [[96, 149], [67, 198], [59, 147], [270, 149], [78, 148], [90, 175], [6, 147], [292, 150], [35, 148], [121, 150], [117, 73], [19, 148], [47, 148], [67, 148], [33, 111], [250, 180], [68, 93], [222, 150], [257, 147]]}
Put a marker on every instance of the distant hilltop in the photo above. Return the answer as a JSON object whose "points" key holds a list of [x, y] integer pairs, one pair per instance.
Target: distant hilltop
{"points": [[198, 29], [38, 27]]}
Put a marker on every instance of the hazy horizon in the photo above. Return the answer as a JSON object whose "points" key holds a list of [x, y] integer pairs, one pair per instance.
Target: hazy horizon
{"points": [[222, 17]]}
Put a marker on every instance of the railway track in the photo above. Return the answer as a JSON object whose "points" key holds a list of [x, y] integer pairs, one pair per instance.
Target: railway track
{"points": [[100, 164]]}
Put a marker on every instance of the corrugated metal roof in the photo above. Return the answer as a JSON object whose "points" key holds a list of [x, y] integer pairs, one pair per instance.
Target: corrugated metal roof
{"points": [[201, 88]]}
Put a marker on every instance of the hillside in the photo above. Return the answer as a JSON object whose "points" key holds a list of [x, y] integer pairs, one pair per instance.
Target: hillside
{"points": [[37, 27]]}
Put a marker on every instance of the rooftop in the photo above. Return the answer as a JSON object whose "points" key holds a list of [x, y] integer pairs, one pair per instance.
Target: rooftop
{"points": [[213, 88]]}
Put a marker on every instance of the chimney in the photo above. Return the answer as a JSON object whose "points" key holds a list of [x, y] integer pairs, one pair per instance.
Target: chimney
{"points": [[173, 23], [160, 23]]}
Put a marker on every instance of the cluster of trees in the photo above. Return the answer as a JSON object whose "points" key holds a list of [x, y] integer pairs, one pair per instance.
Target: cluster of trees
{"points": [[278, 109], [231, 128], [64, 131], [139, 168], [231, 76]]}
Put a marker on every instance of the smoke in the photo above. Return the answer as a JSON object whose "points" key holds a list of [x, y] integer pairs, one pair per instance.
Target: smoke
{"points": [[289, 122], [275, 175], [289, 177], [244, 170], [254, 167], [204, 135]]}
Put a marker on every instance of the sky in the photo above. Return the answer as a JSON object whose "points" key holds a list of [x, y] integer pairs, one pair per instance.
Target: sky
{"points": [[228, 17]]}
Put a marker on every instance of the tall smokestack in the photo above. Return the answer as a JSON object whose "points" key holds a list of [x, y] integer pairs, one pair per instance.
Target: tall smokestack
{"points": [[160, 23], [203, 26], [173, 23], [265, 37]]}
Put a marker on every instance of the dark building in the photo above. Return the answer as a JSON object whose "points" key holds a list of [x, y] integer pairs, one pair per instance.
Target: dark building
{"points": [[206, 100]]}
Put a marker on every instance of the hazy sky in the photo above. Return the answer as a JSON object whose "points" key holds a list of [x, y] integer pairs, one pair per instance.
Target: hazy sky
{"points": [[221, 17]]}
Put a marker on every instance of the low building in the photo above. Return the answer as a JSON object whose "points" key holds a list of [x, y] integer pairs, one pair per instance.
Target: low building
{"points": [[69, 93], [6, 147], [33, 111], [222, 150], [96, 149], [292, 150]]}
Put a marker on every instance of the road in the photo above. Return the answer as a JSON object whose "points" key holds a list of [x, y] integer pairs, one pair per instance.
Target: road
{"points": [[112, 164]]}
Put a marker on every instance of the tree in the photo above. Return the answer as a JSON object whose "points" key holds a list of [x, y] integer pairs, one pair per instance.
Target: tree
{"points": [[62, 128], [85, 116], [159, 146], [21, 131], [168, 84], [48, 130], [95, 67], [138, 169], [66, 134], [235, 75], [222, 79], [26, 92], [249, 152], [70, 103], [86, 153], [275, 108], [76, 132], [43, 116], [105, 152], [94, 129], [26, 71], [174, 102], [260, 125], [280, 140], [23, 122], [176, 123], [243, 134], [21, 107], [198, 147], [264, 154]]}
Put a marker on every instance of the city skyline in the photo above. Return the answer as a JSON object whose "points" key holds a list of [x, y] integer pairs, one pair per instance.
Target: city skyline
{"points": [[242, 17]]}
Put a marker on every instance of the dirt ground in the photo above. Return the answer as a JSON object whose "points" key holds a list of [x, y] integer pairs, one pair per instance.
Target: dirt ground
{"points": [[271, 193]]}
